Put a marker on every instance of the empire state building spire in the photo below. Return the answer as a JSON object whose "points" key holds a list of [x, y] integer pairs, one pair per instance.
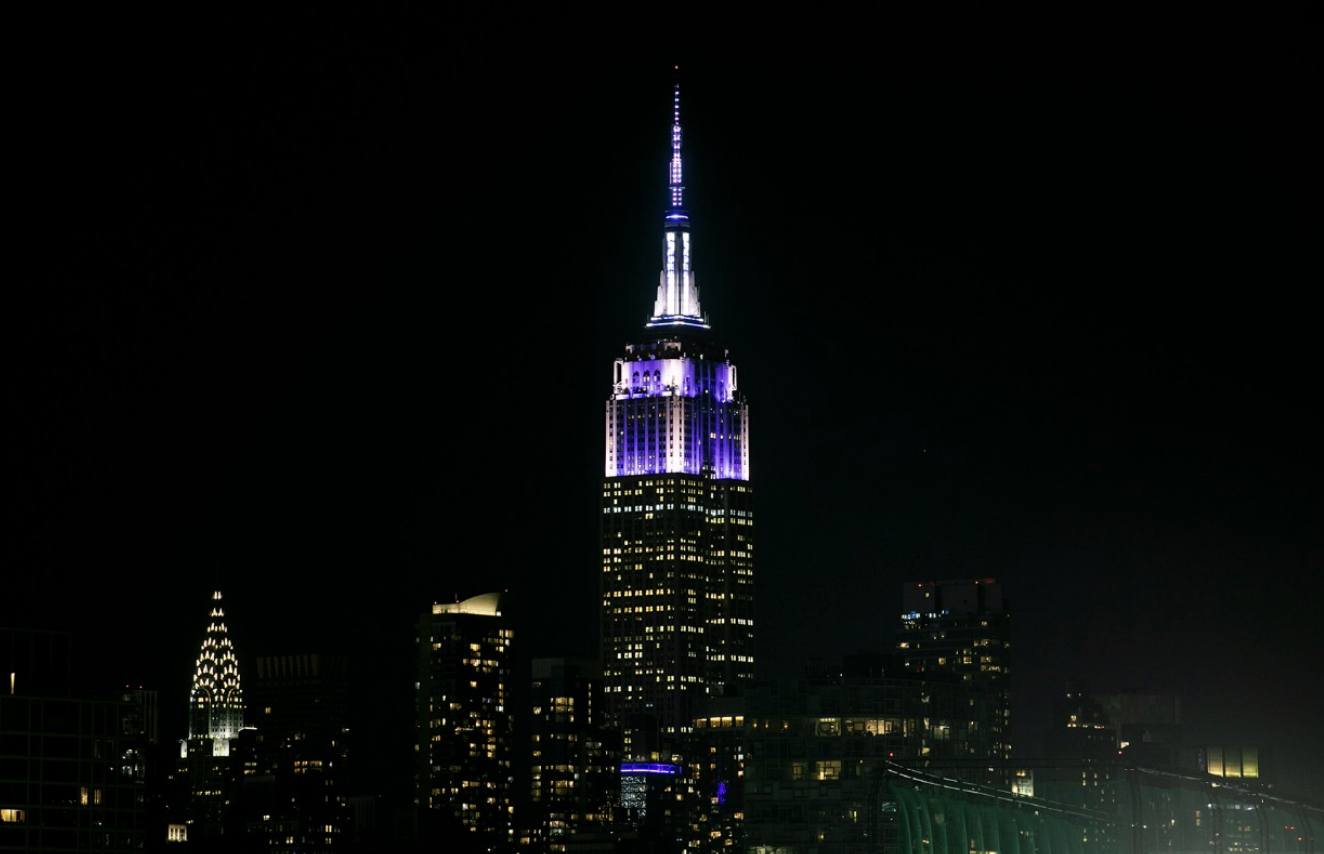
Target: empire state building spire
{"points": [[677, 523], [677, 301], [676, 213]]}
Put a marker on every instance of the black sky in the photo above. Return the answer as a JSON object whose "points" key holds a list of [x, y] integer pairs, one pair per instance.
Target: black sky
{"points": [[319, 307]]}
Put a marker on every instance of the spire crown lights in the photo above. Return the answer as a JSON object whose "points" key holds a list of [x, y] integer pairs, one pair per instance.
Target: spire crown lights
{"points": [[215, 699], [677, 303]]}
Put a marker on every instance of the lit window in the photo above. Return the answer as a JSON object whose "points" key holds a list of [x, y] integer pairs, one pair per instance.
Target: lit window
{"points": [[828, 769]]}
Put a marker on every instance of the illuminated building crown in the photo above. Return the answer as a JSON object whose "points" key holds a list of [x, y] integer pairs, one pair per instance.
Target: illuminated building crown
{"points": [[216, 708]]}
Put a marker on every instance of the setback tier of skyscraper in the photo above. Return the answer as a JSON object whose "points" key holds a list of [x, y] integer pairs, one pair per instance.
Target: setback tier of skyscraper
{"points": [[677, 524]]}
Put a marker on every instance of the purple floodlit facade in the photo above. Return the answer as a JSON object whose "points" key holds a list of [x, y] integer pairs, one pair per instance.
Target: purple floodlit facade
{"points": [[676, 410], [675, 405], [677, 584]]}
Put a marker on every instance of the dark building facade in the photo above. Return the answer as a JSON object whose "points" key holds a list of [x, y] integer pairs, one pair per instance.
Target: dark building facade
{"points": [[715, 806], [573, 756], [1149, 727], [677, 521], [295, 797], [73, 769], [817, 753], [960, 631], [1081, 746]]}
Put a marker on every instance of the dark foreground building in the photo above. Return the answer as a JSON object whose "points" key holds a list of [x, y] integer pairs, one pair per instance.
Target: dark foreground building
{"points": [[75, 771], [295, 797], [573, 757]]}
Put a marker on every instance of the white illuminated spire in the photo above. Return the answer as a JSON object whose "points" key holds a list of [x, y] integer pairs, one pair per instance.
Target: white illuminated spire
{"points": [[677, 180], [677, 302]]}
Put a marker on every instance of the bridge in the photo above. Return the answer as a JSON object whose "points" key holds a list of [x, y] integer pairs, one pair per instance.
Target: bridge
{"points": [[1082, 809]]}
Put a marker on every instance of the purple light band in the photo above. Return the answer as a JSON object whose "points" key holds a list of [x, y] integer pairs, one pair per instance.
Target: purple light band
{"points": [[649, 768]]}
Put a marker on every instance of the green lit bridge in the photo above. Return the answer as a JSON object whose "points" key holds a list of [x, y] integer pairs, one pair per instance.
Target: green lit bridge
{"points": [[1087, 809], [1080, 808]]}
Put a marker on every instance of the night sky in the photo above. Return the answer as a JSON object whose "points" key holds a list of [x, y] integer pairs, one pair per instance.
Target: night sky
{"points": [[319, 308]]}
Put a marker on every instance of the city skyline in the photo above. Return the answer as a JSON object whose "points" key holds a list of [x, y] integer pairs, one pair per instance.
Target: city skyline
{"points": [[1042, 327]]}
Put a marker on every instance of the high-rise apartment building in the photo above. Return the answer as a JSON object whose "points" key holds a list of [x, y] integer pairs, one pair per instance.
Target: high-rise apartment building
{"points": [[677, 523], [961, 631], [1081, 748], [573, 758], [465, 731]]}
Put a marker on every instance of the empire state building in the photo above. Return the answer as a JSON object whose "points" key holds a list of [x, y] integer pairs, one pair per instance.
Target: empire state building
{"points": [[677, 523]]}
